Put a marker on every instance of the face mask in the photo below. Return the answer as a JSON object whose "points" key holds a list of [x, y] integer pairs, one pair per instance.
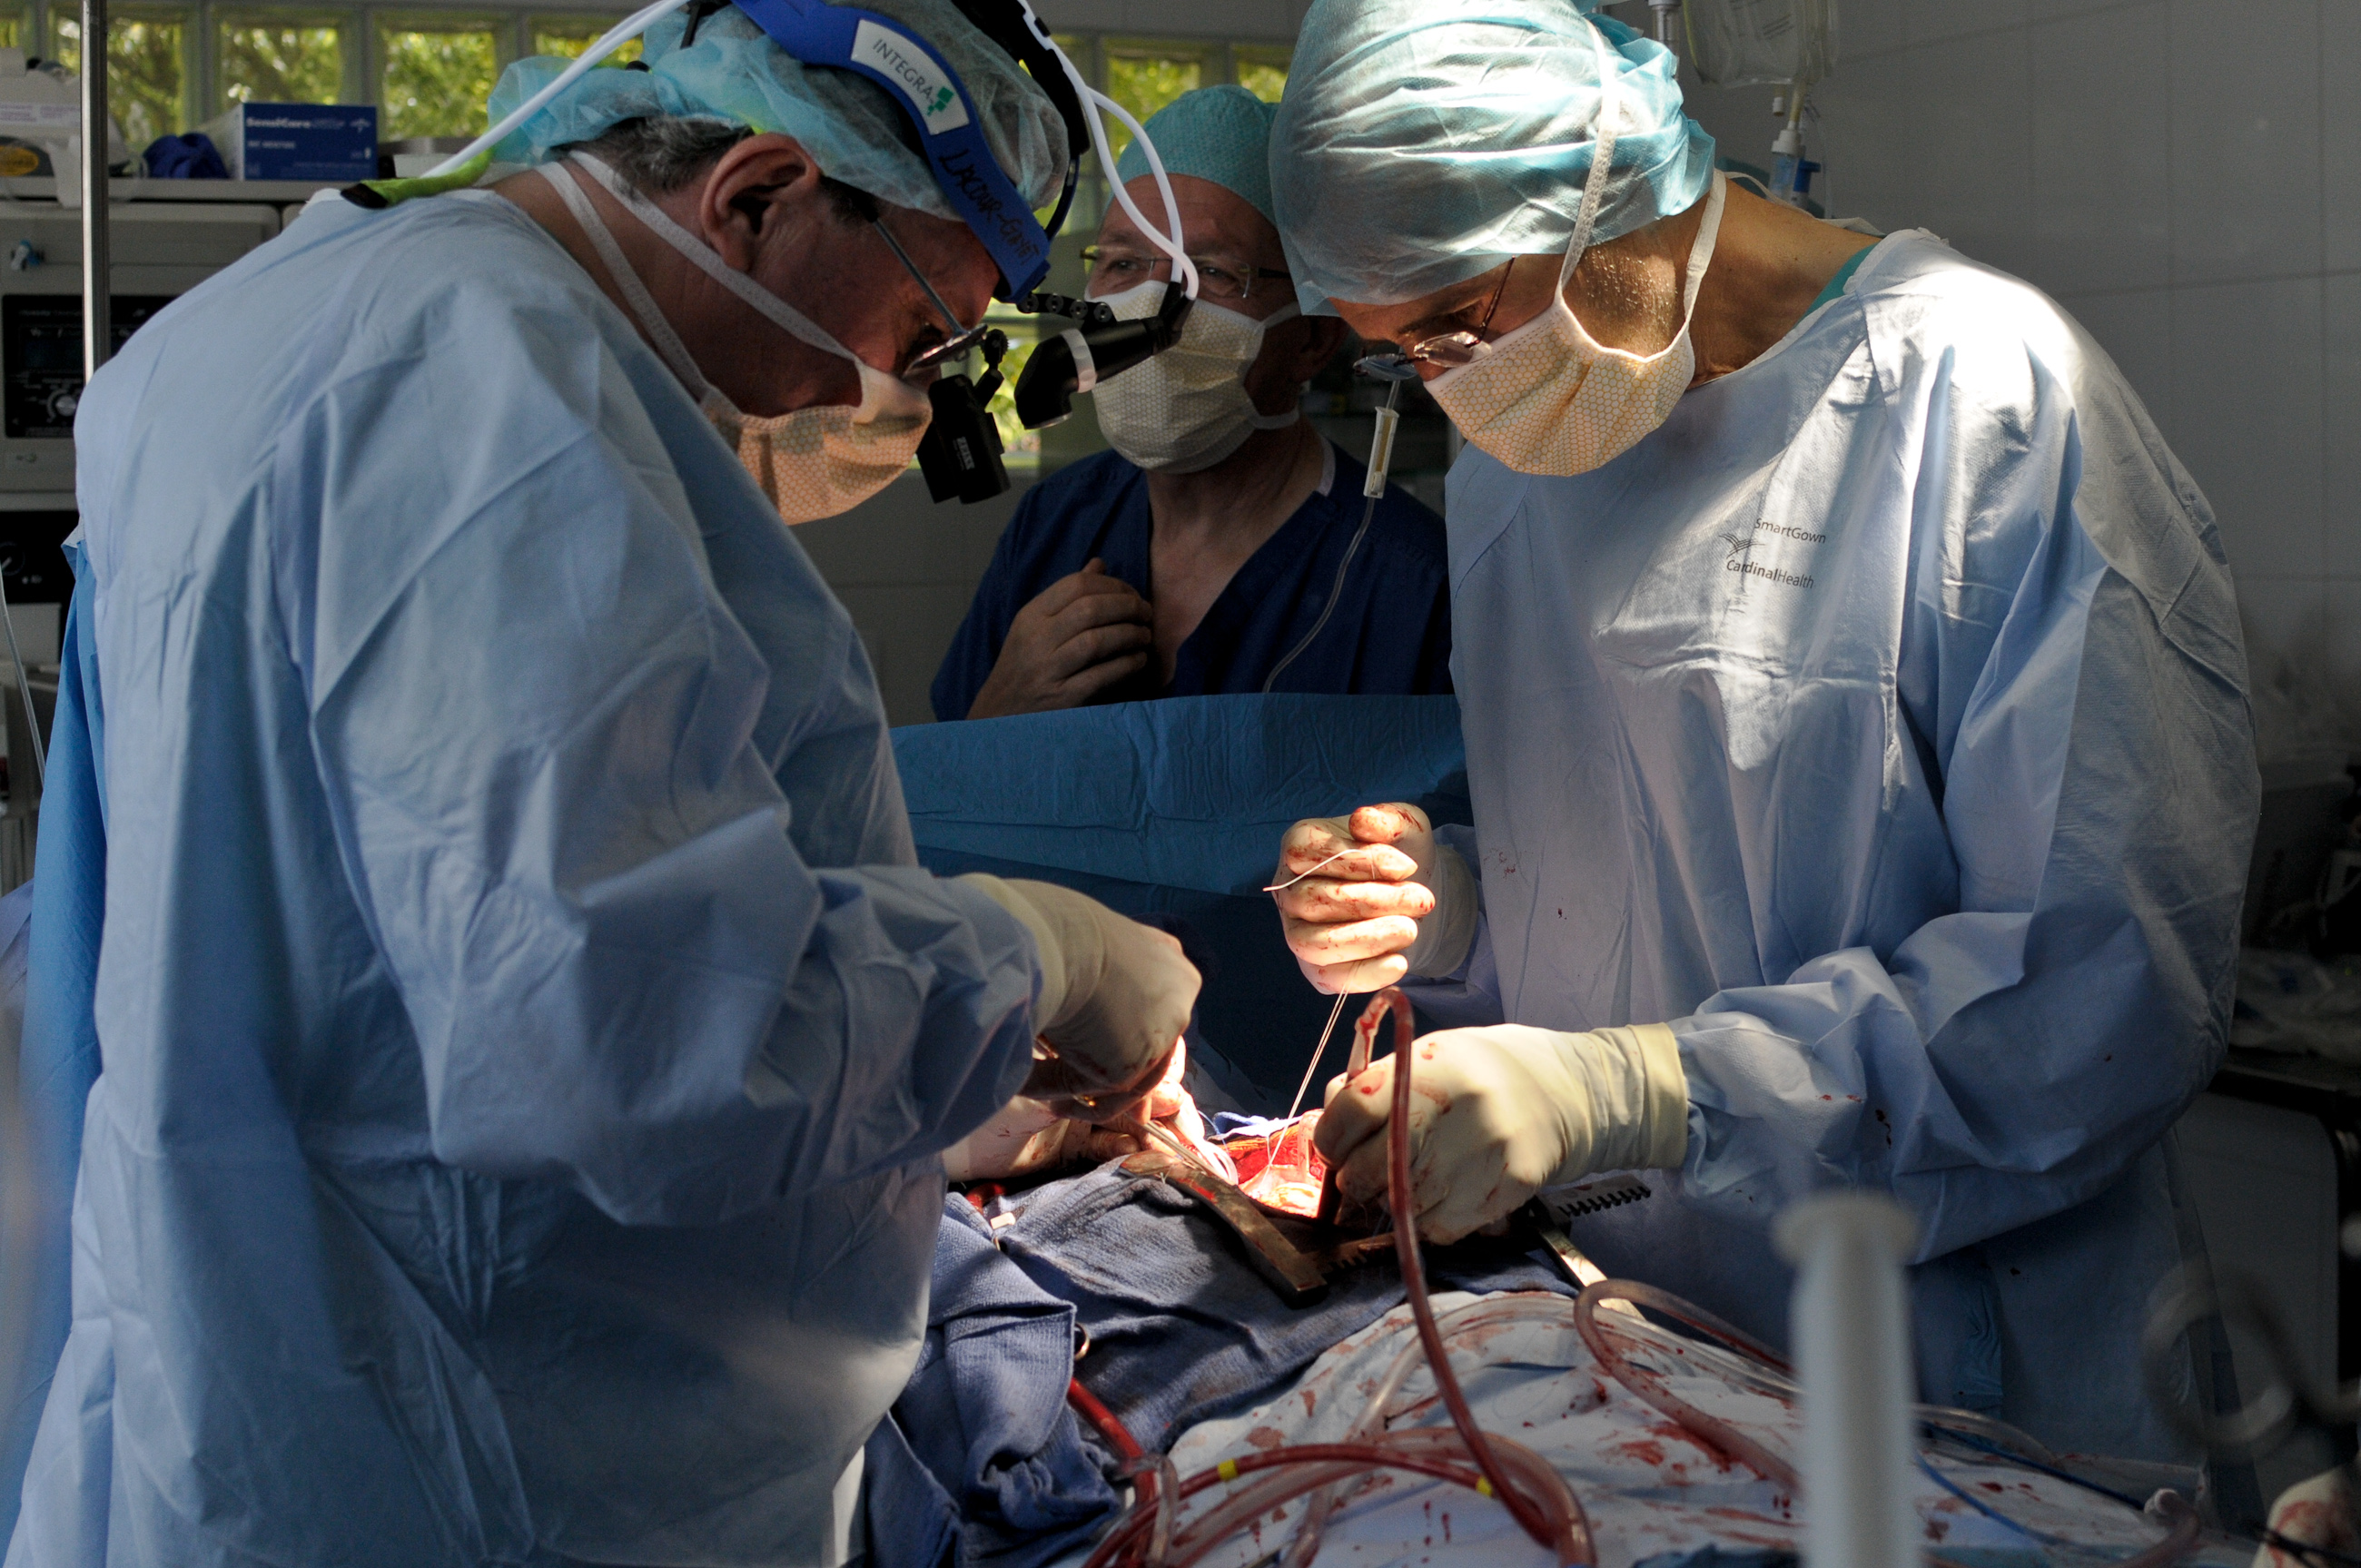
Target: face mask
{"points": [[1549, 398], [811, 462], [1187, 409]]}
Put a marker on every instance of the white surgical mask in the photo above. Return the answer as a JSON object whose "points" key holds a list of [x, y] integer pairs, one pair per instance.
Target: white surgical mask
{"points": [[1550, 398], [812, 463], [1187, 408]]}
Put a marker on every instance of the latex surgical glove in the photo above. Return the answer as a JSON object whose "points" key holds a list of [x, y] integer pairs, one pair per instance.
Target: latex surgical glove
{"points": [[2319, 1512], [1116, 997], [1029, 1136], [1497, 1114], [1073, 640], [1387, 901]]}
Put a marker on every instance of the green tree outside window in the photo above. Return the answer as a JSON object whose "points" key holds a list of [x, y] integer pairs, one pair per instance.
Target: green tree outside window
{"points": [[569, 36], [1145, 83], [271, 60], [12, 31], [438, 73], [146, 71], [1265, 76]]}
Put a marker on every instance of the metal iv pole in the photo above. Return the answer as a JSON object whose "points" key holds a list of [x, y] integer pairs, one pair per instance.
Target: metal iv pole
{"points": [[97, 340], [97, 334], [97, 325]]}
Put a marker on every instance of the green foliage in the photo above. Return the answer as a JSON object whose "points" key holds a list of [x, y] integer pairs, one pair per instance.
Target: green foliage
{"points": [[437, 77], [147, 80], [1022, 446], [1145, 83], [1265, 81], [268, 61]]}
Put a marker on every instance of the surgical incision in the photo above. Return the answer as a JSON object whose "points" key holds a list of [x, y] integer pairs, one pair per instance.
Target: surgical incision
{"points": [[1281, 1169]]}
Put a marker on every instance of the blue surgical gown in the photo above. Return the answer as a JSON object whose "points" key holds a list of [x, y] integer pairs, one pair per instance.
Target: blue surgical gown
{"points": [[1880, 724], [1389, 634], [525, 1032]]}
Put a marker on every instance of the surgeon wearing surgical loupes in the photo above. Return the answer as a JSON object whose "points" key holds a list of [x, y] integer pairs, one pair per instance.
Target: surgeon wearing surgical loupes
{"points": [[530, 1049], [1855, 712]]}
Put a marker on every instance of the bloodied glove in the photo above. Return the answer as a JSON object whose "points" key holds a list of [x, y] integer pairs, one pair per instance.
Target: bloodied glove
{"points": [[1368, 898], [1116, 998], [1497, 1114]]}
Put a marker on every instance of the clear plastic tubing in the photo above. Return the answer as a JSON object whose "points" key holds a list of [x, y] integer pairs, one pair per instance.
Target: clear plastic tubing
{"points": [[1490, 1311], [1537, 1495]]}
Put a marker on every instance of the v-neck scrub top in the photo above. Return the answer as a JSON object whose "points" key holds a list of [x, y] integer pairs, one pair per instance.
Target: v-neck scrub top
{"points": [[1390, 633]]}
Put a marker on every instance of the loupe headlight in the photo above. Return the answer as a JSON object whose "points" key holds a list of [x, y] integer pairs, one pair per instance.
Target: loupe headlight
{"points": [[1097, 349]]}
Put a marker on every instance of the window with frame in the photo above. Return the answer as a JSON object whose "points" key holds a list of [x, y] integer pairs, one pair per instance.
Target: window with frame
{"points": [[1143, 78], [437, 71], [1262, 69], [148, 69], [174, 65], [567, 37], [282, 57]]}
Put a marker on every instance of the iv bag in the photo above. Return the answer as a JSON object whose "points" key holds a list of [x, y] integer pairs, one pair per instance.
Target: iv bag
{"points": [[1758, 43]]}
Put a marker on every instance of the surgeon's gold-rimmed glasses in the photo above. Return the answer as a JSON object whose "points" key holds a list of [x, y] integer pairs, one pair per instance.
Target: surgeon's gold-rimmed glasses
{"points": [[1453, 349], [961, 339]]}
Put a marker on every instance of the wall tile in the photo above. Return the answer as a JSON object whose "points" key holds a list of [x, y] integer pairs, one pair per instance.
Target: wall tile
{"points": [[1866, 28], [2247, 417], [2136, 329], [2340, 143], [1924, 21], [2245, 145], [2340, 403], [2303, 663], [1738, 118], [2102, 205], [2039, 11], [898, 536], [1964, 152], [2340, 648], [907, 631], [2282, 619], [1864, 142]]}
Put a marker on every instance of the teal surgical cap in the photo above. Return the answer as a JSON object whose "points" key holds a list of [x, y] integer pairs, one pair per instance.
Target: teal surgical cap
{"points": [[734, 73], [1220, 134], [1423, 142]]}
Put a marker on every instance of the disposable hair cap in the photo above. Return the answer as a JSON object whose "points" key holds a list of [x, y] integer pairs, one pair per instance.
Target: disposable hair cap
{"points": [[848, 123], [1425, 142]]}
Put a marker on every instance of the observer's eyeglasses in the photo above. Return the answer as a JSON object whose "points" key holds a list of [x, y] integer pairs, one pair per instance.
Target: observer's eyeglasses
{"points": [[1218, 276]]}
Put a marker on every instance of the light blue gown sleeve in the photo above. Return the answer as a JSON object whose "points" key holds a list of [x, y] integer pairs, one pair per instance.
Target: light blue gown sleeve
{"points": [[2072, 693], [563, 774], [1469, 996]]}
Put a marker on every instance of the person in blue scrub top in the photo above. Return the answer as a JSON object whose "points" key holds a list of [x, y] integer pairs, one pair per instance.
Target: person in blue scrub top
{"points": [[530, 1047], [1857, 731], [1218, 546]]}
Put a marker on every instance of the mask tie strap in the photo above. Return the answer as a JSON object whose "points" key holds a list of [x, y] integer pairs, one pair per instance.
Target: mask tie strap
{"points": [[707, 260], [1293, 411], [667, 342], [1701, 248], [1602, 158]]}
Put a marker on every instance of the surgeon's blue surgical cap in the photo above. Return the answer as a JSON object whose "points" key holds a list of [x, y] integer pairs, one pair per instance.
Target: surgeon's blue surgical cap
{"points": [[1220, 134], [847, 123], [1423, 142]]}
